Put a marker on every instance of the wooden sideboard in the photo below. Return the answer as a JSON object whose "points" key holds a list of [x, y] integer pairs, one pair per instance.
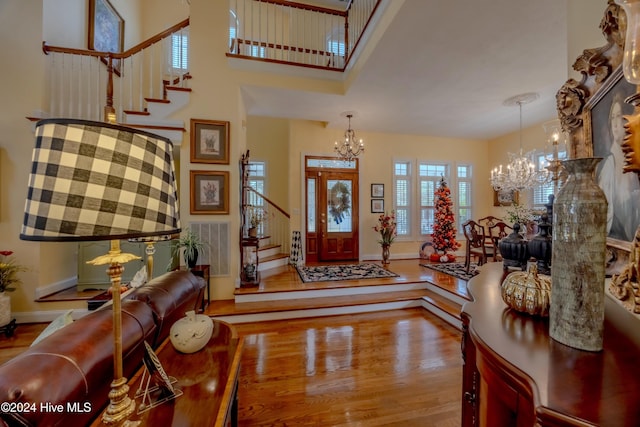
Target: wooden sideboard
{"points": [[514, 374], [207, 378]]}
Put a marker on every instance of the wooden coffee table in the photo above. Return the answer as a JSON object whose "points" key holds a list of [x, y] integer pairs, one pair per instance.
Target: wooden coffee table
{"points": [[208, 380]]}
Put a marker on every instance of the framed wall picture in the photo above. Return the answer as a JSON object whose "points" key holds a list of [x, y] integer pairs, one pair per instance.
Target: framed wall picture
{"points": [[209, 141], [377, 190], [209, 192], [106, 30], [504, 197], [377, 205], [605, 125]]}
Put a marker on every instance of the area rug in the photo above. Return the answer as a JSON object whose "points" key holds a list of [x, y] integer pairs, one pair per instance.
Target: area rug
{"points": [[455, 269], [343, 272]]}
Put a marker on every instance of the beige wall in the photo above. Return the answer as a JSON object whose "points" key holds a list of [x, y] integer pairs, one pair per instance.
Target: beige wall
{"points": [[268, 140]]}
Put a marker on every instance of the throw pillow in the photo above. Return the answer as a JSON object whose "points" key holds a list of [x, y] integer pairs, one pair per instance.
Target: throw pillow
{"points": [[58, 323]]}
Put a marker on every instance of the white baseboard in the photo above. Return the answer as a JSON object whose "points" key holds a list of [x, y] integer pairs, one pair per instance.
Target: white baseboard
{"points": [[56, 287]]}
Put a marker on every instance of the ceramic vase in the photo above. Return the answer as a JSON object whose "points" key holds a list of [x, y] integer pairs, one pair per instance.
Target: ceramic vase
{"points": [[385, 254], [5, 309], [191, 333], [576, 315]]}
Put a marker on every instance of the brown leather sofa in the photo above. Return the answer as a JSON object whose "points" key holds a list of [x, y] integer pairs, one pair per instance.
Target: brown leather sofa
{"points": [[74, 366]]}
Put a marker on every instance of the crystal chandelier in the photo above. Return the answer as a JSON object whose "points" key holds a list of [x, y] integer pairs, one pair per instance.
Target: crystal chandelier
{"points": [[350, 148], [520, 173]]}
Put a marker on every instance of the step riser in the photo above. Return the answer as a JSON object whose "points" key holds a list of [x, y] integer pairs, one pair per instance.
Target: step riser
{"points": [[266, 265], [447, 317], [319, 293], [263, 253], [331, 311], [178, 100]]}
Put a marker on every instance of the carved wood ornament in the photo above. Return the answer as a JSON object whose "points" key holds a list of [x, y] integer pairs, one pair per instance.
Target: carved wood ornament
{"points": [[573, 101]]}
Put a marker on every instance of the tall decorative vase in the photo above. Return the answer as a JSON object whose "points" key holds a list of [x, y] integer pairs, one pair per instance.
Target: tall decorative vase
{"points": [[385, 254], [5, 309], [540, 246], [576, 315]]}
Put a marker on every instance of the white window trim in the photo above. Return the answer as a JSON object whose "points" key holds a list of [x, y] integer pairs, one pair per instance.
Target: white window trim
{"points": [[414, 193]]}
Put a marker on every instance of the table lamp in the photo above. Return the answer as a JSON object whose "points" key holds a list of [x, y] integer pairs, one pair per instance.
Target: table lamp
{"points": [[100, 181]]}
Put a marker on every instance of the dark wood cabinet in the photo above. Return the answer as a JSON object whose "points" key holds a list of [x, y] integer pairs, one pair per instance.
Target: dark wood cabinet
{"points": [[514, 374]]}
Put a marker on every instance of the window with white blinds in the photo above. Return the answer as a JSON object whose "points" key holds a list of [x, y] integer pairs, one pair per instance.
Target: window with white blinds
{"points": [[402, 197], [464, 196], [256, 180], [180, 51], [420, 203], [429, 176], [541, 192]]}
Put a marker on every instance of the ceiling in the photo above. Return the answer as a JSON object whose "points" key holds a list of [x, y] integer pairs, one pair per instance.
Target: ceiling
{"points": [[443, 68]]}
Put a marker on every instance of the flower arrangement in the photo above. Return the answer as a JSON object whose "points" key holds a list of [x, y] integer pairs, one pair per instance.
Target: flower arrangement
{"points": [[8, 272], [257, 216], [520, 214], [387, 228]]}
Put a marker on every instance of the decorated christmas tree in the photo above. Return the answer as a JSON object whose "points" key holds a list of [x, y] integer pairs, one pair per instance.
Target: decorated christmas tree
{"points": [[444, 230]]}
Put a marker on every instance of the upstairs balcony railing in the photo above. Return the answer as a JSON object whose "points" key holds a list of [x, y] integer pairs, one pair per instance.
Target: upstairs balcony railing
{"points": [[101, 86], [299, 34]]}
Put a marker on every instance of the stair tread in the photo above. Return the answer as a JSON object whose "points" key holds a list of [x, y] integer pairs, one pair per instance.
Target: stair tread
{"points": [[268, 246], [137, 112], [141, 126], [178, 88], [159, 100], [273, 257], [230, 307]]}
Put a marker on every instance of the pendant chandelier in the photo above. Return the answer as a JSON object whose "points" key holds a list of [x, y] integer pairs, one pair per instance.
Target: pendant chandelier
{"points": [[520, 173], [351, 147]]}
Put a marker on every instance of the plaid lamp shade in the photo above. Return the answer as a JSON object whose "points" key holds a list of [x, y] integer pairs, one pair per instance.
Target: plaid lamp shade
{"points": [[98, 181]]}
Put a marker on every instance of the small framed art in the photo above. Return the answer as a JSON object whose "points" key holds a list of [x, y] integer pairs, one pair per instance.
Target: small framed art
{"points": [[504, 197], [209, 192], [377, 205], [377, 190], [209, 141]]}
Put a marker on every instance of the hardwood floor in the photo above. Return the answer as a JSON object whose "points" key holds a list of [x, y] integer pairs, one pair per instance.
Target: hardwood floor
{"points": [[400, 367], [391, 368]]}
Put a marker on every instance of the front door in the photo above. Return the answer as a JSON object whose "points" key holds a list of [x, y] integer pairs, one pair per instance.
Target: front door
{"points": [[332, 210]]}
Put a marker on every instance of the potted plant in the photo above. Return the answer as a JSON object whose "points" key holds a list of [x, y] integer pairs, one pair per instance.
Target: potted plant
{"points": [[387, 229], [256, 217], [9, 270], [190, 245]]}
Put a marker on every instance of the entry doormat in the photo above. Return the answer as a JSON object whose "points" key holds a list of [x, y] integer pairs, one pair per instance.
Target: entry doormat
{"points": [[455, 269], [324, 273]]}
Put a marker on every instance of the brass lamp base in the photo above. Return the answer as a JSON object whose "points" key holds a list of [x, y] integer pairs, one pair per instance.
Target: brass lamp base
{"points": [[121, 406]]}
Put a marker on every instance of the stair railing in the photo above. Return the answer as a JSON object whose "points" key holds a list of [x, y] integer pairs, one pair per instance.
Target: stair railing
{"points": [[80, 83], [275, 225], [294, 33]]}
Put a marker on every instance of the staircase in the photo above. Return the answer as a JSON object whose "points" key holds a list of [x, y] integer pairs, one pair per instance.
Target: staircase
{"points": [[271, 255], [156, 116], [145, 94]]}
